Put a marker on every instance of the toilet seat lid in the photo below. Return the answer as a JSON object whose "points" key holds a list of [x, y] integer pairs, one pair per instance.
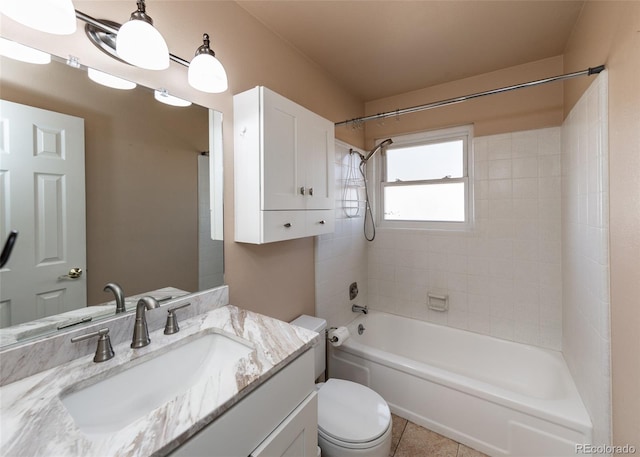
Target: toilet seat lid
{"points": [[351, 412]]}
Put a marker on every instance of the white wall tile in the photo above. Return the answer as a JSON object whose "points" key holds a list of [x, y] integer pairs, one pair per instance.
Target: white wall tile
{"points": [[584, 260], [499, 266]]}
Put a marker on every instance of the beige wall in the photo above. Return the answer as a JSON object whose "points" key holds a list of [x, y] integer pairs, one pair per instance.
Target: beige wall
{"points": [[140, 166], [609, 33]]}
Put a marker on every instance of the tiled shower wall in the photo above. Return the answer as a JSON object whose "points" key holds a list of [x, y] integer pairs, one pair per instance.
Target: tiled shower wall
{"points": [[503, 277], [341, 257], [585, 255]]}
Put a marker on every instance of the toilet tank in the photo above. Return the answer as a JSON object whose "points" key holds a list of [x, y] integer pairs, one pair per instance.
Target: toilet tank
{"points": [[319, 348]]}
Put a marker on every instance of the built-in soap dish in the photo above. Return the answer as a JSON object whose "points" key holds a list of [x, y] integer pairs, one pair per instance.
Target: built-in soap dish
{"points": [[438, 302]]}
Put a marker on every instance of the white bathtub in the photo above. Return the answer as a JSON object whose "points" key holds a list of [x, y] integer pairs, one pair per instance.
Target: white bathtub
{"points": [[499, 397]]}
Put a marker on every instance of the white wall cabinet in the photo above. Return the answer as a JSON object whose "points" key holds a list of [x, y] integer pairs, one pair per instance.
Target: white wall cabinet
{"points": [[283, 169], [278, 419]]}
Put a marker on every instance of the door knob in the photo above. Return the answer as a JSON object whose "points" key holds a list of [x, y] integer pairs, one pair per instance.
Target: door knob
{"points": [[74, 273]]}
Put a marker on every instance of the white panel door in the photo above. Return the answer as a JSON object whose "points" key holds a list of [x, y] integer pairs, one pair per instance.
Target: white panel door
{"points": [[43, 198]]}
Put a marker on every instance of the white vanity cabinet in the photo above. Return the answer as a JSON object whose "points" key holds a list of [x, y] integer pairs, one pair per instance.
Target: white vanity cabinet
{"points": [[283, 169], [280, 418]]}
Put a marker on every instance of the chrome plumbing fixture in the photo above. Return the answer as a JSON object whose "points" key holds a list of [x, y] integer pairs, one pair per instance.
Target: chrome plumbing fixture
{"points": [[140, 329], [361, 329], [104, 351], [171, 326], [119, 294], [359, 309], [331, 339], [368, 212], [353, 290]]}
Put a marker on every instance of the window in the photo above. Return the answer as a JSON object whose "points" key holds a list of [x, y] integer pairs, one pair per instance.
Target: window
{"points": [[425, 180]]}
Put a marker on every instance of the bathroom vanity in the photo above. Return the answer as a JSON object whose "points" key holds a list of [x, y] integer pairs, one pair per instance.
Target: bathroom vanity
{"points": [[230, 382]]}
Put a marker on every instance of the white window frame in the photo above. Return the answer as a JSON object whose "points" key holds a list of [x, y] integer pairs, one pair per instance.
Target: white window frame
{"points": [[464, 133]]}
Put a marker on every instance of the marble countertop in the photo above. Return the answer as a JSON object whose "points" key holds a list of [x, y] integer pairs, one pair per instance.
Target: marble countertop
{"points": [[34, 422]]}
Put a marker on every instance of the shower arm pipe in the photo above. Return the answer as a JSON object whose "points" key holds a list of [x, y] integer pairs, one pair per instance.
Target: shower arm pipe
{"points": [[453, 101], [114, 31]]}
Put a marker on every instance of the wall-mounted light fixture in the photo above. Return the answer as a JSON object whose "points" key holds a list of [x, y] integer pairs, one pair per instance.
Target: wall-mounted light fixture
{"points": [[136, 42], [206, 73], [50, 16], [139, 42]]}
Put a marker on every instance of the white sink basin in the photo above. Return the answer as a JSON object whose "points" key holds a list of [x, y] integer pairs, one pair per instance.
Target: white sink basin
{"points": [[113, 403]]}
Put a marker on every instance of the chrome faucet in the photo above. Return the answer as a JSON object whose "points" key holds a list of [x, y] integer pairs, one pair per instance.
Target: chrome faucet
{"points": [[140, 329], [359, 309], [119, 294]]}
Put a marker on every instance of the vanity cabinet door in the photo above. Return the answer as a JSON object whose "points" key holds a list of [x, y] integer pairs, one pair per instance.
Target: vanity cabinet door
{"points": [[296, 436]]}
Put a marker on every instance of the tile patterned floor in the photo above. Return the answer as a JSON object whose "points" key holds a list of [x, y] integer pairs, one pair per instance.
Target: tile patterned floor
{"points": [[411, 440]]}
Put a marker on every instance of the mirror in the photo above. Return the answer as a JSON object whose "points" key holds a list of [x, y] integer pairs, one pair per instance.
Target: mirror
{"points": [[147, 190]]}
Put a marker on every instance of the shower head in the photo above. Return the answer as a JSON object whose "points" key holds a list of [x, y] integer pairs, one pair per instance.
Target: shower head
{"points": [[382, 144]]}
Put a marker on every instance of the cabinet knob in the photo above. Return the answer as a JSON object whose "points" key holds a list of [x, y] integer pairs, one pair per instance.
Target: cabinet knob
{"points": [[311, 191], [303, 190], [322, 222], [287, 225]]}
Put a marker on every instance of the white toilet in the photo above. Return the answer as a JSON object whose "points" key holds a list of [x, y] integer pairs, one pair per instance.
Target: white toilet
{"points": [[353, 420]]}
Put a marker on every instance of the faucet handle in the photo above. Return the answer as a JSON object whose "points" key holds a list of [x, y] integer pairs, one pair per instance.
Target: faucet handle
{"points": [[171, 326], [104, 351]]}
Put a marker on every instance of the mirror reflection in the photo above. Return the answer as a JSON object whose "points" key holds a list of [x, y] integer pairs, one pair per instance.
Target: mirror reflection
{"points": [[133, 208]]}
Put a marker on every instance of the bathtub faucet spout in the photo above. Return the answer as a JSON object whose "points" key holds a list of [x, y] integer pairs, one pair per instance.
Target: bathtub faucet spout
{"points": [[359, 309]]}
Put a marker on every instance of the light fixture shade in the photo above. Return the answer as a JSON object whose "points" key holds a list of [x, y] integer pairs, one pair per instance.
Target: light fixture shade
{"points": [[206, 73], [162, 95], [23, 53], [109, 80], [51, 16], [139, 42]]}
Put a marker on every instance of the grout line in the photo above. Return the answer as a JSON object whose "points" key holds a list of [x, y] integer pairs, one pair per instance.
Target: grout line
{"points": [[400, 439]]}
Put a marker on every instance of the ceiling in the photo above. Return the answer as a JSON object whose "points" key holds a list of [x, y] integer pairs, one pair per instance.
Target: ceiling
{"points": [[376, 49]]}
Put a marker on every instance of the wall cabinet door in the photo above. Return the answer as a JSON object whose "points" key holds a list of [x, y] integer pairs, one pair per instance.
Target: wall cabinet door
{"points": [[319, 156], [283, 149]]}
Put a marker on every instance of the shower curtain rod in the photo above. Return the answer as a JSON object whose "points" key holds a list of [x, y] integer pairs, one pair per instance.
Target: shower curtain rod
{"points": [[452, 101]]}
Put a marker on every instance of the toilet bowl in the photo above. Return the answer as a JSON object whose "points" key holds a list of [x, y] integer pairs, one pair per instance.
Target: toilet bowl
{"points": [[353, 420]]}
